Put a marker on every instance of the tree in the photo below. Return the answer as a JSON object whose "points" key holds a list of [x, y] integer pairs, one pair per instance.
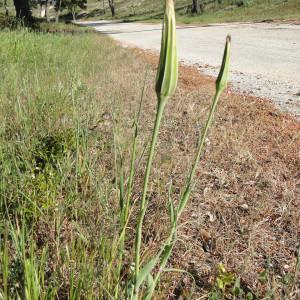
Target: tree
{"points": [[47, 10], [112, 7], [197, 7], [70, 5], [22, 9]]}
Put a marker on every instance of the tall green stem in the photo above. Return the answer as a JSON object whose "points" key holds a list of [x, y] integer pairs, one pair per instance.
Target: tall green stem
{"points": [[201, 144], [143, 204], [125, 209], [166, 250]]}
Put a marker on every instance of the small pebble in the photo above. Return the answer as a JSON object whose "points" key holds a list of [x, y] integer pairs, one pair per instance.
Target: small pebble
{"points": [[286, 267], [244, 206]]}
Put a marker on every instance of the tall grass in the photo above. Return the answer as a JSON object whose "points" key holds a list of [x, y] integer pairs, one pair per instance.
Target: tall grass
{"points": [[50, 183]]}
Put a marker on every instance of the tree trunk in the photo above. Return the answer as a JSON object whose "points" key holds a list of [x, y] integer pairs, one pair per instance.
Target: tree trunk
{"points": [[5, 7], [47, 11], [112, 7], [57, 16], [73, 11], [41, 10], [22, 9], [196, 7], [58, 11]]}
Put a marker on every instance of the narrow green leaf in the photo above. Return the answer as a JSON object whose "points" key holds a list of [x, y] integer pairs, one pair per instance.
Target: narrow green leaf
{"points": [[184, 199], [150, 280], [171, 206], [145, 271]]}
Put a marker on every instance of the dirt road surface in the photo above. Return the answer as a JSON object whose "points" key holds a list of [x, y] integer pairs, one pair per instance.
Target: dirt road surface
{"points": [[265, 57]]}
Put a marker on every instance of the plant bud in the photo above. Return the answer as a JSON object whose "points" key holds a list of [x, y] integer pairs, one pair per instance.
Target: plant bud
{"points": [[222, 79], [167, 73]]}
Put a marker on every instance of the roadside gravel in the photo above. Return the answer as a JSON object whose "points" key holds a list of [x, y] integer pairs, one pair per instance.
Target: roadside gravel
{"points": [[265, 57]]}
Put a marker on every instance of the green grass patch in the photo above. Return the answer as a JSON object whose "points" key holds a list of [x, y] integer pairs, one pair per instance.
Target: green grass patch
{"points": [[57, 223], [255, 11], [214, 12]]}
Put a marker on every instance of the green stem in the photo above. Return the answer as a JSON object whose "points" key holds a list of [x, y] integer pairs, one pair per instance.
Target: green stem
{"points": [[125, 210], [204, 134], [201, 144], [185, 197], [143, 205], [131, 174], [169, 243]]}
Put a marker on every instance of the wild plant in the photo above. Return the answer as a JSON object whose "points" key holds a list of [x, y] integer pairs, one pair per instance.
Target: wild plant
{"points": [[166, 83]]}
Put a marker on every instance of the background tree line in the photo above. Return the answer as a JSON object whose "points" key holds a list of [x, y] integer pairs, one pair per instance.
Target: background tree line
{"points": [[23, 7]]}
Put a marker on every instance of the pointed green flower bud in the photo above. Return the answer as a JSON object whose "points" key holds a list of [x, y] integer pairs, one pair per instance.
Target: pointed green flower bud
{"points": [[167, 73], [222, 79]]}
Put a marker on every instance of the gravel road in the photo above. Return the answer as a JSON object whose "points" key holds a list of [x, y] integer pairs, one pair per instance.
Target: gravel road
{"points": [[265, 57]]}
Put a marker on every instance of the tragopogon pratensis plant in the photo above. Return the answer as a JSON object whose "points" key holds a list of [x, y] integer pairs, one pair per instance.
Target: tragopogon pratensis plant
{"points": [[165, 87], [166, 83], [174, 213]]}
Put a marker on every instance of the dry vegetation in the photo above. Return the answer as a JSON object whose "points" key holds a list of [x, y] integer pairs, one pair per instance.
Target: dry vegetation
{"points": [[245, 208], [244, 211]]}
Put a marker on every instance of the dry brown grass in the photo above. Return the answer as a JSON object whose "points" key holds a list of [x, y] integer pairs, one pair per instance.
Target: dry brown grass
{"points": [[245, 208]]}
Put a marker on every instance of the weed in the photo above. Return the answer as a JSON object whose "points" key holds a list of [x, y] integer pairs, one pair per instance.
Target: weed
{"points": [[166, 83]]}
